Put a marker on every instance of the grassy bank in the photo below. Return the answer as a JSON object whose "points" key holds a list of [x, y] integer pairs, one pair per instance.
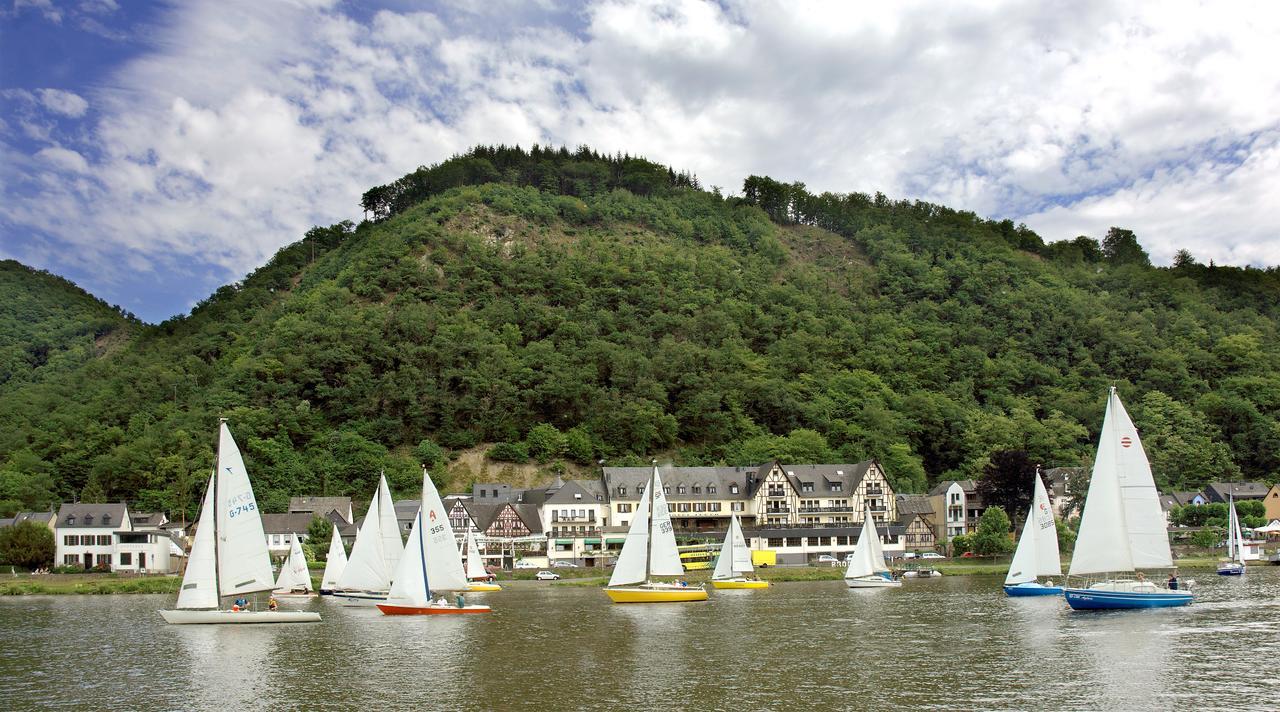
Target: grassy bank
{"points": [[63, 584]]}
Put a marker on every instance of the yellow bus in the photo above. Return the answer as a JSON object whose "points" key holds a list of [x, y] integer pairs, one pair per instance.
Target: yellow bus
{"points": [[697, 557]]}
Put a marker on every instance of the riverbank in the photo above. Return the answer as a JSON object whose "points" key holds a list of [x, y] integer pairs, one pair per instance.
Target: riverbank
{"points": [[94, 584]]}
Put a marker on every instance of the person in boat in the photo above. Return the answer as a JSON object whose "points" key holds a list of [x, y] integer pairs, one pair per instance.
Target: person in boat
{"points": [[462, 601], [442, 602], [240, 604], [272, 604], [1173, 580], [1141, 577]]}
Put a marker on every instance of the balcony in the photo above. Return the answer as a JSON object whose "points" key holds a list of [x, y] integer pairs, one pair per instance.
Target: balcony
{"points": [[820, 510], [776, 494], [878, 508], [875, 490], [588, 518]]}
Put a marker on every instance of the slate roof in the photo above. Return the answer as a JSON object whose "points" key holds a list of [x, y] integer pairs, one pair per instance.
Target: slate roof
{"points": [[1168, 501], [1218, 491], [82, 516], [703, 477], [941, 488], [45, 518], [322, 506], [295, 523], [914, 504], [822, 477], [1183, 499], [588, 491], [150, 520]]}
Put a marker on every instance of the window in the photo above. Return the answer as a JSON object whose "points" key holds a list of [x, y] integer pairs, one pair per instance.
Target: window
{"points": [[837, 486], [88, 519], [711, 489], [700, 507], [106, 520], [104, 540], [126, 559], [104, 560], [775, 541], [733, 489], [70, 559], [622, 491], [640, 491], [806, 486], [666, 489], [713, 506], [737, 506], [71, 520], [70, 540], [625, 522], [624, 508], [794, 541], [577, 495]]}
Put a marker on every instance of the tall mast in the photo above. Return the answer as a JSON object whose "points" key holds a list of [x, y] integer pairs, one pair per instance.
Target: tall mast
{"points": [[648, 542], [217, 475], [422, 538]]}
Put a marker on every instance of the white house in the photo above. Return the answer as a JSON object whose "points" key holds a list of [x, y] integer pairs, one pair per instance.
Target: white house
{"points": [[93, 536]]}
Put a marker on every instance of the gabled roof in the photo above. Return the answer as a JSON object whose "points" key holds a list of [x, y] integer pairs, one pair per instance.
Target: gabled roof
{"points": [[579, 492], [150, 520], [81, 516], [529, 515], [1168, 501], [674, 477], [45, 518], [914, 504], [1218, 491], [296, 523], [823, 477], [941, 488], [322, 506], [1183, 499]]}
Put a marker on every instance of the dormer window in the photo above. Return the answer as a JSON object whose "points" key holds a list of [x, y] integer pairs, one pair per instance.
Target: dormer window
{"points": [[622, 491], [680, 489], [837, 486], [666, 489], [733, 489], [697, 489], [71, 520], [806, 486], [711, 489], [640, 490], [577, 495], [106, 520], [88, 519]]}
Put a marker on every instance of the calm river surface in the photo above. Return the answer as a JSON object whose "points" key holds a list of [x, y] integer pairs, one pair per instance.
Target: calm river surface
{"points": [[953, 643]]}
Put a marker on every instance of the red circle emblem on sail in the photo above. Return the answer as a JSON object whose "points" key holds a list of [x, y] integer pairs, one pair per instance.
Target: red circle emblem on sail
{"points": [[1126, 441]]}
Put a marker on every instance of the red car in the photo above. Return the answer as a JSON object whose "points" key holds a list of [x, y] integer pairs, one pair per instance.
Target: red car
{"points": [[967, 555]]}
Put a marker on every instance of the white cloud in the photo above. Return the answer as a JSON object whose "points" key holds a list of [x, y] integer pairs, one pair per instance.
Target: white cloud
{"points": [[63, 102], [250, 121]]}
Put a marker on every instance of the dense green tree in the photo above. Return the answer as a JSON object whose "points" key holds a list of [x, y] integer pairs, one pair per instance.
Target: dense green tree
{"points": [[1007, 482], [27, 544], [992, 536]]}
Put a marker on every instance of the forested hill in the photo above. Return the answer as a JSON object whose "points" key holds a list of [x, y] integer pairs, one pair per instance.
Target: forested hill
{"points": [[567, 306], [49, 325]]}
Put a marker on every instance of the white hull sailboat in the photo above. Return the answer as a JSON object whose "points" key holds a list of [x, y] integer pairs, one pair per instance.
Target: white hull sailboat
{"points": [[1234, 566], [334, 563], [431, 564], [650, 550], [866, 564], [294, 582], [366, 578], [229, 556], [734, 562], [1037, 552], [1122, 529]]}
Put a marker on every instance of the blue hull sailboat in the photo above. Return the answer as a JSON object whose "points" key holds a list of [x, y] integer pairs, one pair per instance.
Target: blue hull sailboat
{"points": [[1037, 552], [1122, 529], [1234, 565]]}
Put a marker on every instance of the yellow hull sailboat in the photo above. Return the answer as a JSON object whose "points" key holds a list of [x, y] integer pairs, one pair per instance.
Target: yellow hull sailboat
{"points": [[479, 578], [734, 561], [650, 550]]}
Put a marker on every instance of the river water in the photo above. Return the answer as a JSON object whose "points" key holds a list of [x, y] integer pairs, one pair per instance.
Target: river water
{"points": [[955, 642]]}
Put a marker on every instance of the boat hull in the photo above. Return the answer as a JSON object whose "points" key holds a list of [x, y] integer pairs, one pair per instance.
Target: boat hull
{"points": [[359, 598], [1032, 589], [1231, 570], [434, 610], [1085, 599], [224, 617], [481, 587], [872, 582], [675, 594], [739, 583]]}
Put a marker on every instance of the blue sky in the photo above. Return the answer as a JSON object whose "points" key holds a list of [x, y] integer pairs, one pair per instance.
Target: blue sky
{"points": [[152, 152]]}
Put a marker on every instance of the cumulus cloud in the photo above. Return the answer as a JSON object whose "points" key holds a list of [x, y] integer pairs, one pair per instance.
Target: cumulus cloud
{"points": [[249, 122]]}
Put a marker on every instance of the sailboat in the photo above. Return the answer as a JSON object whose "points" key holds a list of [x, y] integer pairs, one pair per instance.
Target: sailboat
{"points": [[366, 579], [476, 573], [229, 556], [734, 561], [866, 564], [1122, 528], [334, 563], [1037, 552], [650, 550], [295, 578], [1234, 566], [431, 564]]}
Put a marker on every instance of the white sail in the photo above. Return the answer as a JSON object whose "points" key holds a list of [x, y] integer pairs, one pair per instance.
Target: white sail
{"points": [[200, 581], [244, 566], [741, 554], [735, 557], [664, 559], [1122, 527], [1022, 569], [475, 565], [294, 574], [868, 554], [1235, 541], [334, 563], [1048, 560], [632, 566], [431, 561], [410, 585], [367, 570], [389, 527]]}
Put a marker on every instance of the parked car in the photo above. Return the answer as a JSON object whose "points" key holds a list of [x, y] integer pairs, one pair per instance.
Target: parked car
{"points": [[547, 576], [909, 555], [564, 565], [522, 564], [932, 555], [967, 555], [829, 560]]}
